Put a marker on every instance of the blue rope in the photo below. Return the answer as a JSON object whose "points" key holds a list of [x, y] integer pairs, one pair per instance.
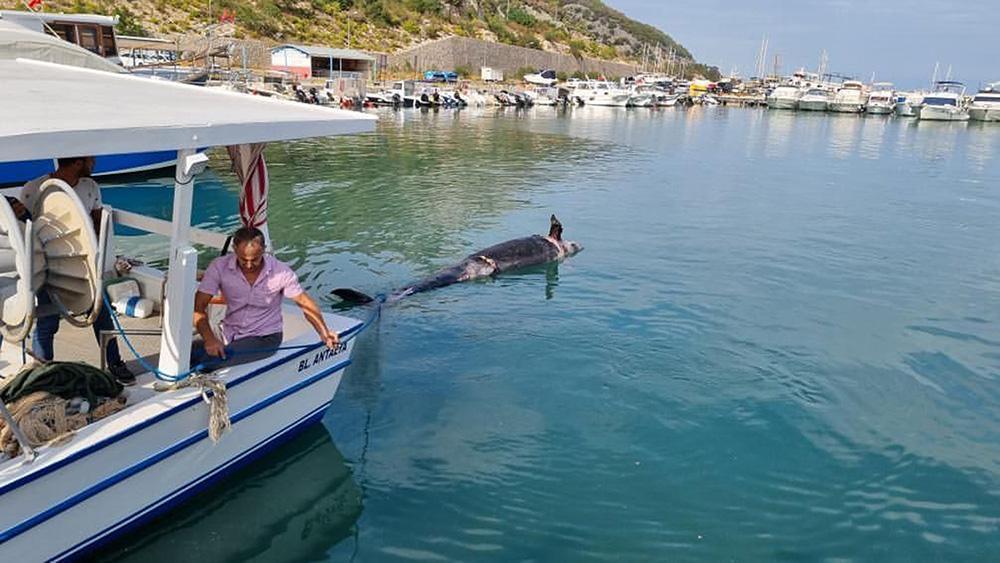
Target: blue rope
{"points": [[374, 316]]}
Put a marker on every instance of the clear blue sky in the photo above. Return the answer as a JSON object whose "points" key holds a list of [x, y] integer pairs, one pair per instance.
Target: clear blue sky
{"points": [[899, 40]]}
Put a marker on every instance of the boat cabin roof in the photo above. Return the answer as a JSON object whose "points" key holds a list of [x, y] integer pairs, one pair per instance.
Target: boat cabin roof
{"points": [[17, 41], [107, 113]]}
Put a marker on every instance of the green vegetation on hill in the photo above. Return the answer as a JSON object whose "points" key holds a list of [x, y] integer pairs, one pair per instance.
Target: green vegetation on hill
{"points": [[576, 27]]}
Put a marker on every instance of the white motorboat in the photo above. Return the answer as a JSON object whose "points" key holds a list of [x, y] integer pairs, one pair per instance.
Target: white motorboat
{"points": [[600, 93], [784, 97], [402, 93], [985, 104], [62, 498], [657, 96], [881, 99], [945, 103], [545, 77], [815, 99], [907, 104], [850, 98], [641, 99]]}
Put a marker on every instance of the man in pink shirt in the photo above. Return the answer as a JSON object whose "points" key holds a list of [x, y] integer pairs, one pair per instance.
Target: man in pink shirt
{"points": [[253, 285]]}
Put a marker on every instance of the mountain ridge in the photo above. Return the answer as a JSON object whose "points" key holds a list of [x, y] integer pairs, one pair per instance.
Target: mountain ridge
{"points": [[576, 27]]}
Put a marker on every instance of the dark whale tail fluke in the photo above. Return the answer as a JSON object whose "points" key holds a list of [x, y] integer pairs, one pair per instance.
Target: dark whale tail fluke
{"points": [[352, 296], [555, 228]]}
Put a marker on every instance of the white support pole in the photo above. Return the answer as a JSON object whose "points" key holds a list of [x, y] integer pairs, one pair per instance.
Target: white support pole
{"points": [[178, 306]]}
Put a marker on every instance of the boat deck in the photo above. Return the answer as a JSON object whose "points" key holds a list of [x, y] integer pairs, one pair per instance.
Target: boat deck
{"points": [[80, 345], [143, 401]]}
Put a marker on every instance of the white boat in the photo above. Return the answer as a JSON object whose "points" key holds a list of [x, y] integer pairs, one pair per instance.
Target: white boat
{"points": [[985, 104], [641, 98], [545, 77], [658, 97], [61, 499], [784, 97], [600, 93], [850, 98], [907, 104], [881, 99], [95, 33], [815, 99], [945, 103]]}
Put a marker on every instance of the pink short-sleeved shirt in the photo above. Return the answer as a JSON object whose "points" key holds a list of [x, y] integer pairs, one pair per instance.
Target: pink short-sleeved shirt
{"points": [[250, 310]]}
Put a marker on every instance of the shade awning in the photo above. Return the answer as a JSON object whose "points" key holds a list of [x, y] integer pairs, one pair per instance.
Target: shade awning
{"points": [[52, 111]]}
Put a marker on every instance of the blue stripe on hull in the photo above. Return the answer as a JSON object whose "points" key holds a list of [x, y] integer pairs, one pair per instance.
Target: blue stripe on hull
{"points": [[17, 173], [180, 496], [149, 422], [97, 488]]}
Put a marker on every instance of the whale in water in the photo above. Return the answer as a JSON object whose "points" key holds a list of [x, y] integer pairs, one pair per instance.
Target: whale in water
{"points": [[506, 256]]}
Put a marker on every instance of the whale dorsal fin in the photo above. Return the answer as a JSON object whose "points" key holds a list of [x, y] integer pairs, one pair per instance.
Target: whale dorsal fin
{"points": [[555, 228]]}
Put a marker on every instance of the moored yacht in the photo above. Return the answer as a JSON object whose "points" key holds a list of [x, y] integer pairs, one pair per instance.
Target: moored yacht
{"points": [[815, 99], [946, 103], [881, 99], [600, 93], [784, 97], [850, 98], [985, 105], [907, 104]]}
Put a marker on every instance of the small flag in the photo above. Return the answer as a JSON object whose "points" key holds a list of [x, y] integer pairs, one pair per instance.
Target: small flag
{"points": [[32, 4]]}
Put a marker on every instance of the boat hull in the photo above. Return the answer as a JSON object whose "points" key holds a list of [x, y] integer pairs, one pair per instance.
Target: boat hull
{"points": [[879, 109], [608, 101], [142, 471], [782, 103], [846, 107], [905, 110], [984, 114], [942, 113], [17, 173], [813, 105]]}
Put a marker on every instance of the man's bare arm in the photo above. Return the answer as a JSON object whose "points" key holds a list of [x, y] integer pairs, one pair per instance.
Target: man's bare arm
{"points": [[313, 314], [213, 346]]}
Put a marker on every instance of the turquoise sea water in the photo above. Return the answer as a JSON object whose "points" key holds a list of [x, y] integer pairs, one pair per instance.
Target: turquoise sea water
{"points": [[781, 342]]}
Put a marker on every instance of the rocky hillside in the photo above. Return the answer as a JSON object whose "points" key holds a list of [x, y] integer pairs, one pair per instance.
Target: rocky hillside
{"points": [[577, 27]]}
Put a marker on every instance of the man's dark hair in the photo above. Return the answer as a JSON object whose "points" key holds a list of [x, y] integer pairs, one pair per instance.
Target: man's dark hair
{"points": [[244, 235], [66, 161]]}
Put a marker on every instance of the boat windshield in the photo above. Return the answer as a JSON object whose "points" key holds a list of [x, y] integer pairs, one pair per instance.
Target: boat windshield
{"points": [[952, 87], [817, 92], [940, 101]]}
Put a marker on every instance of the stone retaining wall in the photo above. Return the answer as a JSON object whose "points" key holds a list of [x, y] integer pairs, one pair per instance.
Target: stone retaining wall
{"points": [[453, 52]]}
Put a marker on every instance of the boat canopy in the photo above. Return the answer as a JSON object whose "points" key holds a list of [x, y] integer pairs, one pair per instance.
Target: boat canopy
{"points": [[53, 111], [17, 41]]}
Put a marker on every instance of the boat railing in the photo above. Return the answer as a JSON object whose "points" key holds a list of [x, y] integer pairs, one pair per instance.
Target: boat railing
{"points": [[161, 227]]}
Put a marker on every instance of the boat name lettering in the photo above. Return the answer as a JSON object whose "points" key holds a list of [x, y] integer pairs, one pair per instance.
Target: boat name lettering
{"points": [[322, 356]]}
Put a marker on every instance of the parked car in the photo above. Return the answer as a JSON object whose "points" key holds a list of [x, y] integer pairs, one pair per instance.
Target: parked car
{"points": [[440, 76]]}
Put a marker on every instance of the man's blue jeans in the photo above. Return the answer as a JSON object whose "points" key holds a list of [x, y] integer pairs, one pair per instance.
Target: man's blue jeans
{"points": [[46, 328]]}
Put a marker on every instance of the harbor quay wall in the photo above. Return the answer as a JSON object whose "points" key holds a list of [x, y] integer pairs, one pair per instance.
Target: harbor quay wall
{"points": [[452, 52]]}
